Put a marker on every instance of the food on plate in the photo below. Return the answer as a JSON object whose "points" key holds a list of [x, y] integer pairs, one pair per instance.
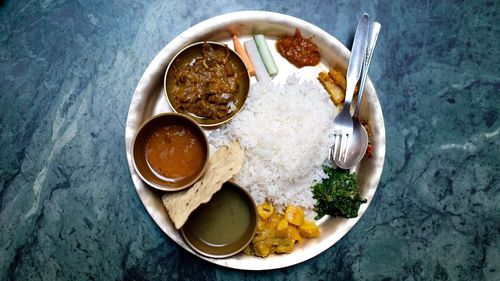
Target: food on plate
{"points": [[208, 85], [294, 215], [265, 54], [309, 229], [286, 131], [278, 233], [260, 69], [369, 148], [337, 195], [335, 83], [298, 50], [175, 152], [338, 77], [222, 166], [224, 219], [243, 54], [337, 94], [265, 210]]}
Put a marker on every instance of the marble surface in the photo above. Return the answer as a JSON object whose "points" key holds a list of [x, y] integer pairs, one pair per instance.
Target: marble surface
{"points": [[68, 208]]}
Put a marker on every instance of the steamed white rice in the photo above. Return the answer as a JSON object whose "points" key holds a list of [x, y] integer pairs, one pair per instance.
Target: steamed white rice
{"points": [[286, 131]]}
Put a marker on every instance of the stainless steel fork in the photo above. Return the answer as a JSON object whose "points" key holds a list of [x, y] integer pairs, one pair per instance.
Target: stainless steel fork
{"points": [[342, 124]]}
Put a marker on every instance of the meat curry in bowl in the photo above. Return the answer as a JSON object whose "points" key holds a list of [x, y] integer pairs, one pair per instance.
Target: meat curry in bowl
{"points": [[207, 81]]}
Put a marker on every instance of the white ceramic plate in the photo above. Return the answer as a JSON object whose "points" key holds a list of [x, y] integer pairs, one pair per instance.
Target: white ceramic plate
{"points": [[149, 99]]}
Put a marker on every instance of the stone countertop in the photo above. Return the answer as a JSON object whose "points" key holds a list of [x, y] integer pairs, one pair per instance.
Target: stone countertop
{"points": [[69, 210]]}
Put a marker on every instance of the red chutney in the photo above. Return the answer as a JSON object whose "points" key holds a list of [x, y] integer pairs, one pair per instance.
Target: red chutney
{"points": [[174, 152], [298, 51]]}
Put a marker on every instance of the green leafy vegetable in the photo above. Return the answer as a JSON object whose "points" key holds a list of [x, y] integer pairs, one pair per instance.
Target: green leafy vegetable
{"points": [[337, 195]]}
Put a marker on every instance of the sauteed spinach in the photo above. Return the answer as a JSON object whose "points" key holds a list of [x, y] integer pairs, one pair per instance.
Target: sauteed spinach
{"points": [[337, 195]]}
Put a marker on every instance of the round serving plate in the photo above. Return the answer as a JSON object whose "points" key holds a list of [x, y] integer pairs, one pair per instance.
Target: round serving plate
{"points": [[149, 99]]}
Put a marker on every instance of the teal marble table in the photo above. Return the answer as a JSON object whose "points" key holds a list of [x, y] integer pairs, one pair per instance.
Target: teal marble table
{"points": [[69, 210]]}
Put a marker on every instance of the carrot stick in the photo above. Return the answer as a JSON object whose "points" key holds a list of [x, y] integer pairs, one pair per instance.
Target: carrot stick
{"points": [[243, 54]]}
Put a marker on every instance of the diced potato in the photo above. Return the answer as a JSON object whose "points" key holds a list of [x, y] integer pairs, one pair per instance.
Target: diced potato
{"points": [[294, 234], [337, 94], [262, 249], [261, 224], [281, 228], [265, 210], [309, 229], [283, 245], [294, 215], [278, 233], [265, 234], [273, 221]]}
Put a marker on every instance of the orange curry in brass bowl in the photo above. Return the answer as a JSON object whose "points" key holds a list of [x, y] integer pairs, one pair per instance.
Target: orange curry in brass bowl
{"points": [[170, 152]]}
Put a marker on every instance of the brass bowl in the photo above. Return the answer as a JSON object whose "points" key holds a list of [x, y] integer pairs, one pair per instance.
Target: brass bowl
{"points": [[186, 56], [221, 250], [139, 156]]}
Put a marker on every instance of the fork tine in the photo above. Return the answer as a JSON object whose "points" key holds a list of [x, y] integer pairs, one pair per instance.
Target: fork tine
{"points": [[338, 148], [342, 148], [339, 156], [345, 146], [335, 147], [339, 145]]}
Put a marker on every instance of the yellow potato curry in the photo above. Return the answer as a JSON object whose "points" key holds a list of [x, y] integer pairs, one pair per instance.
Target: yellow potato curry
{"points": [[278, 233]]}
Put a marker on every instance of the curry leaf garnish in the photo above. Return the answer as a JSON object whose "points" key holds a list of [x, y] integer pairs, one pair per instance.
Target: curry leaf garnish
{"points": [[337, 195]]}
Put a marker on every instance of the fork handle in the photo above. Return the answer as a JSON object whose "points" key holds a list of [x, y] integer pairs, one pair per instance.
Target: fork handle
{"points": [[372, 41], [356, 60]]}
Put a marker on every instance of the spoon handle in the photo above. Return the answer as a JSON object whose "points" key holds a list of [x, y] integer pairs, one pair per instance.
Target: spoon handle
{"points": [[358, 54], [372, 41]]}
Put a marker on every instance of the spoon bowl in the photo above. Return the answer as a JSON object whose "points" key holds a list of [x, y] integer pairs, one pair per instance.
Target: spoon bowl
{"points": [[357, 147]]}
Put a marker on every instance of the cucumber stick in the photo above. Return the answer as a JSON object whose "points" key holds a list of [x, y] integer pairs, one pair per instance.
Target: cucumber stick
{"points": [[265, 54]]}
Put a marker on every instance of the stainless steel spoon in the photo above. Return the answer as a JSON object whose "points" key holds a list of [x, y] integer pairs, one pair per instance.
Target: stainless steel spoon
{"points": [[359, 141]]}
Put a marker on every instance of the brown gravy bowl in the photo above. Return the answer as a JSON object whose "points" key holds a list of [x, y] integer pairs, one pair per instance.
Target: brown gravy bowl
{"points": [[186, 56], [153, 146]]}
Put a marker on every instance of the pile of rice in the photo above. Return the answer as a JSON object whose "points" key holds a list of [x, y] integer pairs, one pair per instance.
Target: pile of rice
{"points": [[286, 131]]}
